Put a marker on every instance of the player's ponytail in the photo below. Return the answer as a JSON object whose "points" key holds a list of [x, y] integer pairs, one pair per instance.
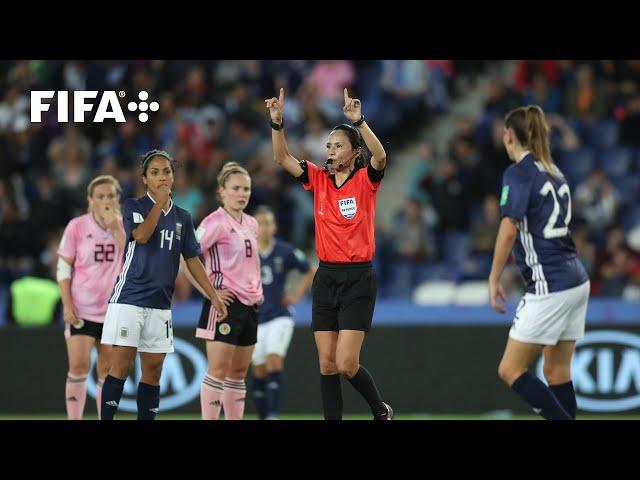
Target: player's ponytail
{"points": [[532, 131], [226, 171]]}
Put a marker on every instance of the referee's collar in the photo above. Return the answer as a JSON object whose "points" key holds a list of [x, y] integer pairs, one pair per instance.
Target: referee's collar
{"points": [[170, 204]]}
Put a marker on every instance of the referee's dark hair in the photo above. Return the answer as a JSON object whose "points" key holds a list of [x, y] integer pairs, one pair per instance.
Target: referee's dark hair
{"points": [[156, 153], [355, 139]]}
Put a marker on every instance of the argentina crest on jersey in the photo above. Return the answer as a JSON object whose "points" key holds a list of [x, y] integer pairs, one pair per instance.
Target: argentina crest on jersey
{"points": [[178, 230], [348, 207]]}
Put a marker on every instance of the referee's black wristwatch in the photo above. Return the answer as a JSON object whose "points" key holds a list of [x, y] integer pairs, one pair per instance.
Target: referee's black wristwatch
{"points": [[359, 122], [276, 126]]}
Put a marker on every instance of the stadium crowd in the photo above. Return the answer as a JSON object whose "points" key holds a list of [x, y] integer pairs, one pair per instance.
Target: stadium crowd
{"points": [[213, 111]]}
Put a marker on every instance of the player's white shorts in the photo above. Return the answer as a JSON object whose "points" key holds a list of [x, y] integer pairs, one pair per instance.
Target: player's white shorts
{"points": [[274, 337], [148, 329], [547, 319]]}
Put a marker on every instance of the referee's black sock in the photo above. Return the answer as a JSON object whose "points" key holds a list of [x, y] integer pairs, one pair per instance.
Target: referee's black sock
{"points": [[363, 382], [566, 395], [331, 396], [148, 401], [111, 393]]}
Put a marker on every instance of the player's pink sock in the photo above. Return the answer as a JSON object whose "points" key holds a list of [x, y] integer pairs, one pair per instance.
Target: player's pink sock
{"points": [[210, 392], [99, 395], [75, 395], [233, 398]]}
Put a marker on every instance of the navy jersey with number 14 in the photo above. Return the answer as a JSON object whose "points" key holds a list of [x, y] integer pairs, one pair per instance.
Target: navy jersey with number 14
{"points": [[149, 273], [541, 204]]}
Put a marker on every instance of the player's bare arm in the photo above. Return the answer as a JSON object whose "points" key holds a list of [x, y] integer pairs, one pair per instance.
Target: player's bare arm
{"points": [[70, 312], [280, 151], [302, 290], [353, 111], [143, 232], [196, 269], [504, 243]]}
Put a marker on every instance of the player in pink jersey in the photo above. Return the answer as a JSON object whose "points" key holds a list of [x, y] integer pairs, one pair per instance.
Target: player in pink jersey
{"points": [[90, 259], [229, 241]]}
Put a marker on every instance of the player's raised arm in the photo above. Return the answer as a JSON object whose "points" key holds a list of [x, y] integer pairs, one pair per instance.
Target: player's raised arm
{"points": [[353, 111], [145, 230], [280, 150]]}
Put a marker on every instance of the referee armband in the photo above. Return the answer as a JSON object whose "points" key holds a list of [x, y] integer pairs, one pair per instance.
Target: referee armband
{"points": [[374, 175], [304, 178]]}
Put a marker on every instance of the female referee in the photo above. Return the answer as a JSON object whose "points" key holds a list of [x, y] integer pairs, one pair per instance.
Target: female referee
{"points": [[139, 312], [536, 212], [344, 288], [229, 240], [89, 261]]}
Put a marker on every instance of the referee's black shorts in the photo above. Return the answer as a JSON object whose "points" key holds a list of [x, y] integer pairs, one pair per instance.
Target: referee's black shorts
{"points": [[344, 296]]}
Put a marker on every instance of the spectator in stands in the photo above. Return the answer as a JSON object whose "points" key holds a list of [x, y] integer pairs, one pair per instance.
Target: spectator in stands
{"points": [[630, 128], [596, 200], [585, 99], [448, 196]]}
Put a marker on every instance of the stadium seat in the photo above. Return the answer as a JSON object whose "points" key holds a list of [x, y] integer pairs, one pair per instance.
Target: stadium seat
{"points": [[631, 218], [455, 246], [603, 134], [472, 293], [615, 162], [577, 165], [434, 293], [629, 189]]}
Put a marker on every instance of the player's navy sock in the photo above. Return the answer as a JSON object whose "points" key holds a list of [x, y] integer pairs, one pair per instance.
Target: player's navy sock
{"points": [[540, 397], [566, 395], [111, 393], [363, 382], [259, 397], [148, 401], [273, 394], [331, 396]]}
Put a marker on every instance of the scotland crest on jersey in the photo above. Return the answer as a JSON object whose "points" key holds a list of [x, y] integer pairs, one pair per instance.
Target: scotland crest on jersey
{"points": [[348, 207]]}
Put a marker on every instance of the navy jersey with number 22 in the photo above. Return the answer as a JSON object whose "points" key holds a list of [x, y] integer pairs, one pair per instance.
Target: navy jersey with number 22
{"points": [[541, 204]]}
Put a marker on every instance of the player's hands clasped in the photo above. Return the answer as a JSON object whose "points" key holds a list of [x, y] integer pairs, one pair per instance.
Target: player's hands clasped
{"points": [[495, 291], [109, 216], [276, 106], [70, 314], [352, 107]]}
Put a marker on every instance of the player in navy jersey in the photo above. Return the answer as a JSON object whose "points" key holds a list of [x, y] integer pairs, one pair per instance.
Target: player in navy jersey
{"points": [[138, 317], [536, 212], [276, 324]]}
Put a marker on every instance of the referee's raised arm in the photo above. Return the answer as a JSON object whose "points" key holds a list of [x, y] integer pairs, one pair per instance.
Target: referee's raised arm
{"points": [[280, 150], [353, 111]]}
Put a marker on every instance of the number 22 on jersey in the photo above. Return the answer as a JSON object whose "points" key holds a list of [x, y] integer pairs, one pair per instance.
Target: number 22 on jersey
{"points": [[550, 230]]}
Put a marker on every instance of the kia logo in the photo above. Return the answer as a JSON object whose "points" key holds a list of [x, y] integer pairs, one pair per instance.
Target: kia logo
{"points": [[182, 374], [605, 370]]}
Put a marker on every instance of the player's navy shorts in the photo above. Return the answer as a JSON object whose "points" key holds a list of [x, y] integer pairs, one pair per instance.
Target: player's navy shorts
{"points": [[92, 329], [239, 328], [344, 296]]}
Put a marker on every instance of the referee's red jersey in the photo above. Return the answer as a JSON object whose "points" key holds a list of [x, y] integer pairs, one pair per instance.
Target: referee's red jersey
{"points": [[344, 216]]}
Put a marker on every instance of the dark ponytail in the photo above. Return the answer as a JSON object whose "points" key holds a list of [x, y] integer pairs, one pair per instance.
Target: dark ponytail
{"points": [[532, 131]]}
